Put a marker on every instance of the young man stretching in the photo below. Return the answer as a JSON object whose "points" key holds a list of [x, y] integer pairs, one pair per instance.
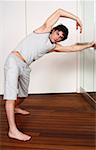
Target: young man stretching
{"points": [[17, 72]]}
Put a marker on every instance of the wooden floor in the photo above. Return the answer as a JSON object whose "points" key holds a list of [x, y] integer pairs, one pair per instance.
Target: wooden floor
{"points": [[57, 122]]}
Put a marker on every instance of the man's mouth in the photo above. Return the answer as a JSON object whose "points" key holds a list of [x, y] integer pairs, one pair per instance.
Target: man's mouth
{"points": [[55, 40]]}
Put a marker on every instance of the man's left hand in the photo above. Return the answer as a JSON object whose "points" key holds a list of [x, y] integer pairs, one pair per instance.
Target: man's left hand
{"points": [[79, 23]]}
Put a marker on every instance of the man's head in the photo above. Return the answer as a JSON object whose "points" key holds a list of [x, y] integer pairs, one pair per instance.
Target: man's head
{"points": [[58, 33]]}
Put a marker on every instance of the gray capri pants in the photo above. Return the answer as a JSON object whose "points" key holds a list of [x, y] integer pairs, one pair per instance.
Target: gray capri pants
{"points": [[16, 78]]}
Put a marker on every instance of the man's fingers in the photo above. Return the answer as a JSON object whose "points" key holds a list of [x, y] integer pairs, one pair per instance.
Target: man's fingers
{"points": [[95, 44], [80, 25], [80, 29], [76, 25]]}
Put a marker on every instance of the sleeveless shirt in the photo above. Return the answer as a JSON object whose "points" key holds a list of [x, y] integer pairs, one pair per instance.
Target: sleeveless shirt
{"points": [[34, 46]]}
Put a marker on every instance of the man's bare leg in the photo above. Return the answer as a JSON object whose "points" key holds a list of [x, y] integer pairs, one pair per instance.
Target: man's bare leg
{"points": [[13, 131], [17, 107]]}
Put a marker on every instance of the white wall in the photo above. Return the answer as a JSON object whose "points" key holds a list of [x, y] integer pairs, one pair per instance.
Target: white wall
{"points": [[88, 67], [12, 29], [54, 72]]}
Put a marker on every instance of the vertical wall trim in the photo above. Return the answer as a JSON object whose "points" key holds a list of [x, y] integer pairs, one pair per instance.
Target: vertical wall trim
{"points": [[77, 56], [94, 65], [84, 51], [25, 18]]}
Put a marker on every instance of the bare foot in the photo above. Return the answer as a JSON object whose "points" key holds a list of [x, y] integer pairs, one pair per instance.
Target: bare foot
{"points": [[19, 135], [21, 111]]}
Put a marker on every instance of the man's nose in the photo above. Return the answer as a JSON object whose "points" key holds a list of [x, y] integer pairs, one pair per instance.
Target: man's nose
{"points": [[57, 37]]}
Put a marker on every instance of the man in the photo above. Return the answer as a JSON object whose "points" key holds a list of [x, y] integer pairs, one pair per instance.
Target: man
{"points": [[17, 72]]}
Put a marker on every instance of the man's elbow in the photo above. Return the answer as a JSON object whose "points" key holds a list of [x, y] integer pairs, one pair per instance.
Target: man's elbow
{"points": [[59, 12]]}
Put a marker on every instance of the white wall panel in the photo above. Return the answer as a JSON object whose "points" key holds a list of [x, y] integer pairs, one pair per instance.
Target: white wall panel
{"points": [[95, 49], [88, 57], [53, 72], [12, 30]]}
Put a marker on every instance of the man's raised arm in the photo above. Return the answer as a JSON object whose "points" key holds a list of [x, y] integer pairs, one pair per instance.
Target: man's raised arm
{"points": [[51, 20], [62, 13]]}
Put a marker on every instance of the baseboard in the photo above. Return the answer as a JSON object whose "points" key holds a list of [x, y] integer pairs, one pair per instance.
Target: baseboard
{"points": [[31, 94], [88, 97], [1, 97]]}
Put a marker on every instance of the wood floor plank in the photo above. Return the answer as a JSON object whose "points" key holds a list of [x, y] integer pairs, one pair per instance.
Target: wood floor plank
{"points": [[56, 122]]}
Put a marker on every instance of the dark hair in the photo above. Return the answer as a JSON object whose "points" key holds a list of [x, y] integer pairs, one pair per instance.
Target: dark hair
{"points": [[62, 28]]}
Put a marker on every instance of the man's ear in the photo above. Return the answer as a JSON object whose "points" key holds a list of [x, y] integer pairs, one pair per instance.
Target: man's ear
{"points": [[53, 30]]}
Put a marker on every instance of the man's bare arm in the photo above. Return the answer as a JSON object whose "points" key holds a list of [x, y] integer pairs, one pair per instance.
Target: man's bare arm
{"points": [[47, 26], [73, 48]]}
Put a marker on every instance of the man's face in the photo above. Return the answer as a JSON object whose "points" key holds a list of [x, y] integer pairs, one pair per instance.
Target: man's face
{"points": [[56, 36]]}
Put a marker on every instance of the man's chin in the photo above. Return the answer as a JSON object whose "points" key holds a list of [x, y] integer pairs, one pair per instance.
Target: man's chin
{"points": [[52, 41]]}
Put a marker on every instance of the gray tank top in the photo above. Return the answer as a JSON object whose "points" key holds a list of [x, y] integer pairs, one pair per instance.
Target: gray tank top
{"points": [[34, 46]]}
